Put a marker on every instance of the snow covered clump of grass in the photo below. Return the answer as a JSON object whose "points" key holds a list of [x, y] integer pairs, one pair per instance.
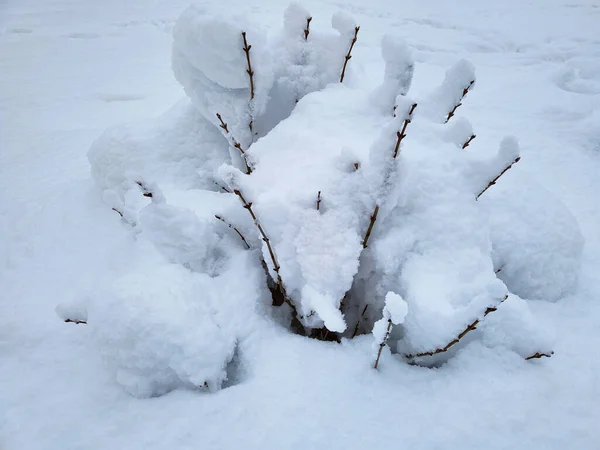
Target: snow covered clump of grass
{"points": [[287, 192]]}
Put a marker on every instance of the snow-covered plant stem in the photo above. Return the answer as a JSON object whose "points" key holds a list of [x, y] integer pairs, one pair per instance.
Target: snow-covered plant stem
{"points": [[319, 201], [464, 93], [472, 326], [83, 322], [394, 312], [349, 54], [493, 182], [371, 224], [234, 229], [234, 142], [468, 141]]}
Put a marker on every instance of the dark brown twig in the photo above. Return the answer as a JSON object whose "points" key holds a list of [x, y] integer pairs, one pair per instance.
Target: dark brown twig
{"points": [[493, 182], [370, 229], [76, 322], [307, 29], [464, 93], [276, 267], [383, 343], [234, 229], [359, 319], [223, 188], [145, 191], [319, 201], [539, 355], [249, 71], [234, 143], [400, 135], [117, 211], [349, 54], [472, 326], [468, 141]]}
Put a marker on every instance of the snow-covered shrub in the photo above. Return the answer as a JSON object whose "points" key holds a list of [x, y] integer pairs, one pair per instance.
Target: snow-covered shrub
{"points": [[361, 209]]}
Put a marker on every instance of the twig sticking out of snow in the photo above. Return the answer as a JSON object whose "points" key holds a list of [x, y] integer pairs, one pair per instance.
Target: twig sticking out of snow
{"points": [[402, 134], [117, 211], [223, 188], [349, 54], [370, 229], [146, 192], [249, 71], [307, 29], [276, 267], [493, 182], [539, 355], [319, 201], [464, 93], [83, 322], [472, 326], [383, 343], [234, 142], [234, 229], [468, 141], [362, 316]]}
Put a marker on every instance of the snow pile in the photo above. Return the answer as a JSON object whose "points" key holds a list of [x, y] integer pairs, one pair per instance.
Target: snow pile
{"points": [[350, 193]]}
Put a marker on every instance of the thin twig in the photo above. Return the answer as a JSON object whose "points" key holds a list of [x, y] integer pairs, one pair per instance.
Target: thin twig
{"points": [[383, 343], [468, 141], [234, 229], [539, 355], [117, 211], [400, 135], [356, 166], [472, 326], [234, 143], [370, 229], [359, 319], [493, 182], [464, 93], [249, 71], [76, 322], [307, 29], [223, 188], [349, 54], [145, 191], [276, 267], [319, 201]]}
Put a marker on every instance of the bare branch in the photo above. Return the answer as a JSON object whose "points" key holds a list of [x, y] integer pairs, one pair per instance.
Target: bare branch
{"points": [[493, 182], [319, 201], [362, 316], [146, 192], [234, 229], [472, 326], [464, 93], [223, 188], [276, 267], [539, 355], [249, 71], [117, 211], [383, 343], [370, 229], [234, 143], [349, 54], [76, 322], [307, 29], [468, 141], [400, 135]]}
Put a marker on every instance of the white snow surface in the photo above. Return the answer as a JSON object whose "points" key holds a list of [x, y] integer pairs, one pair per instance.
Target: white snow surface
{"points": [[160, 287]]}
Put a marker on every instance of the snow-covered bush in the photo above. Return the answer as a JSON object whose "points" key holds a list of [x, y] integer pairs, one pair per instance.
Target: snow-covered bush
{"points": [[362, 210]]}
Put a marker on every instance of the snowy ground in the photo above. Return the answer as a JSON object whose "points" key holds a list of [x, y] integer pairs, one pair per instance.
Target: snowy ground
{"points": [[69, 69]]}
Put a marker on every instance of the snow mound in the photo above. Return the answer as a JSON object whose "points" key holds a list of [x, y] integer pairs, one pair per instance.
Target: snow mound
{"points": [[537, 243], [162, 327]]}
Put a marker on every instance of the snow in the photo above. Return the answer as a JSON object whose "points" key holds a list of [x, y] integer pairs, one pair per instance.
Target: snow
{"points": [[160, 287]]}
